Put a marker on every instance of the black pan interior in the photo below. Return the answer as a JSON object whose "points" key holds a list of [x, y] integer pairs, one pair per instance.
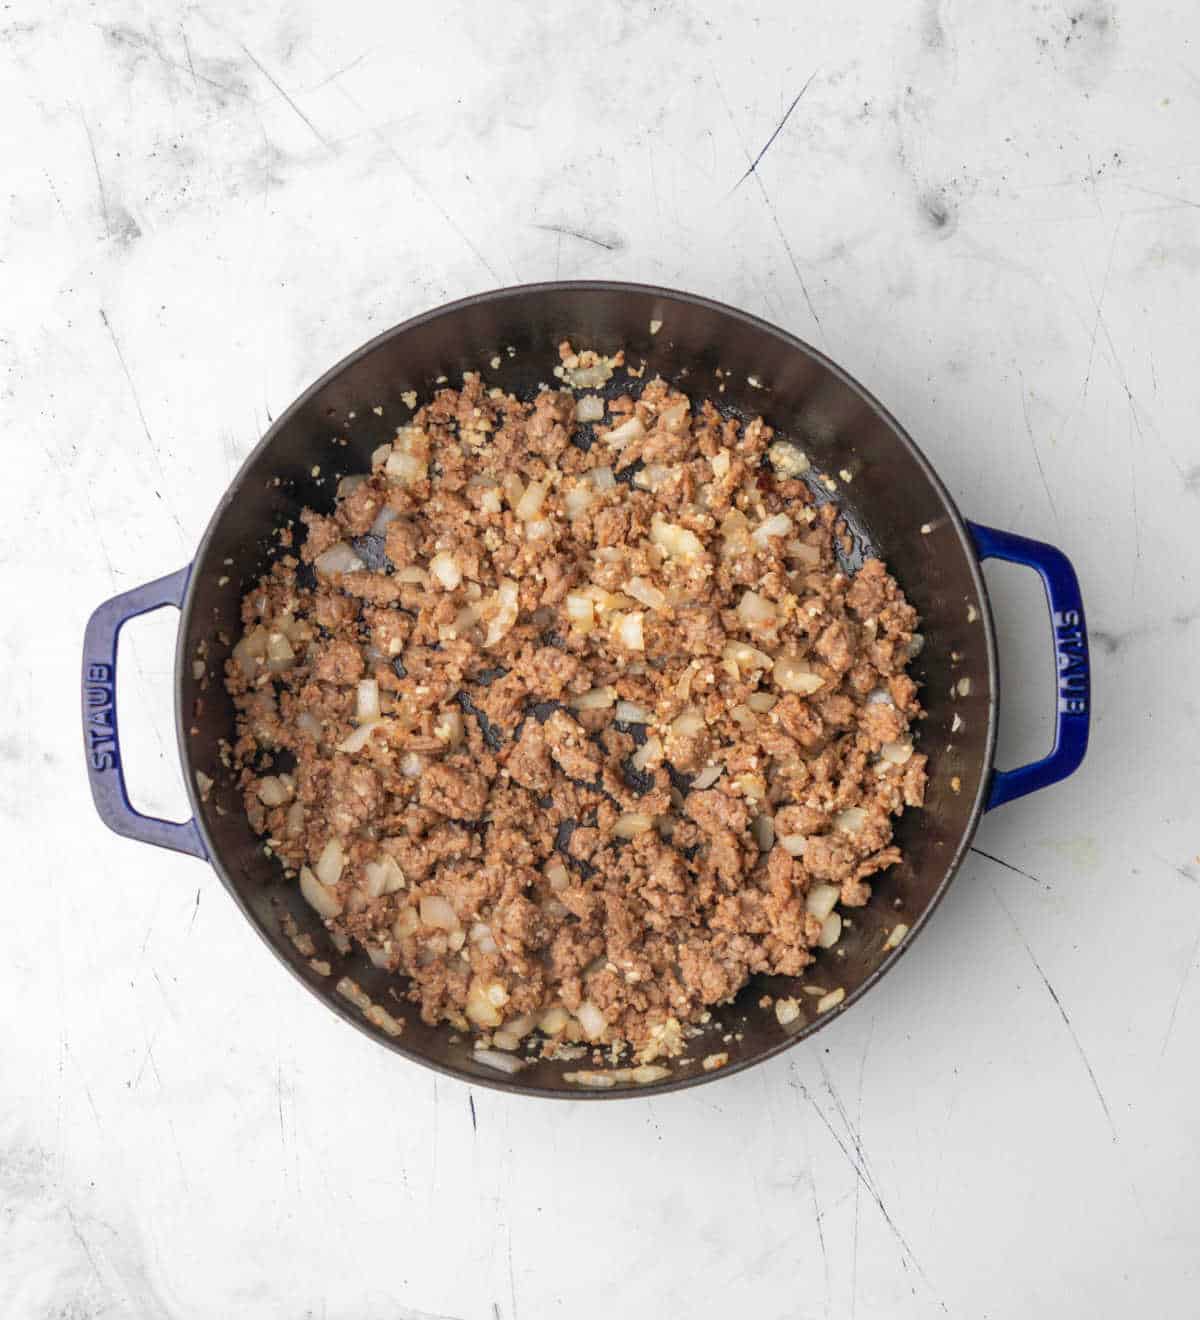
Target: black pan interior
{"points": [[892, 501]]}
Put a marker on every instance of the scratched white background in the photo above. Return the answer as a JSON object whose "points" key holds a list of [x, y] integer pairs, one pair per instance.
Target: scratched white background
{"points": [[988, 211]]}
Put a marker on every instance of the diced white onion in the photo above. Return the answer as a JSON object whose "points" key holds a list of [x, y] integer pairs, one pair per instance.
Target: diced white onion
{"points": [[761, 702], [378, 955], [786, 1011], [631, 824], [652, 476], [895, 936], [803, 553], [530, 503], [279, 652], [383, 520], [588, 377], [831, 1000], [448, 727], [384, 876], [506, 1063], [520, 1027], [357, 740], [744, 717], [602, 478], [778, 525], [411, 765], [481, 937], [821, 900], [554, 1019], [589, 409], [324, 901], [602, 1081], [329, 864], [577, 500], [650, 751], [629, 630], [591, 1020], [628, 712], [367, 701], [688, 722], [505, 614], [793, 674], [596, 699], [744, 658], [763, 830], [644, 1073], [437, 912], [646, 593], [272, 792], [676, 541], [405, 469], [851, 820], [294, 825], [793, 844], [831, 931], [338, 558], [735, 534], [444, 569], [756, 611], [708, 776], [581, 611], [630, 429], [898, 753], [489, 501]]}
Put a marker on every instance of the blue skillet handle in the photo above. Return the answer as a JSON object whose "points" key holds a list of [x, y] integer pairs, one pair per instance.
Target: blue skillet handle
{"points": [[100, 741], [1073, 713]]}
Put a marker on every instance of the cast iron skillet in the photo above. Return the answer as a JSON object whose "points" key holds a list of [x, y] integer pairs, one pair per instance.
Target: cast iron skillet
{"points": [[894, 503]]}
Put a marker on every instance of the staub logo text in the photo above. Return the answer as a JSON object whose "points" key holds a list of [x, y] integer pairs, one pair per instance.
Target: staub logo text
{"points": [[98, 699], [1072, 662]]}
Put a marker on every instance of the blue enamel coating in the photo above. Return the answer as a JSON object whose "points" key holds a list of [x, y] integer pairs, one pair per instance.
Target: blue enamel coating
{"points": [[1073, 708], [101, 744]]}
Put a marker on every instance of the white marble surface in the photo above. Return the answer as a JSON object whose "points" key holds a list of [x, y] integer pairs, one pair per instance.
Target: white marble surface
{"points": [[988, 211]]}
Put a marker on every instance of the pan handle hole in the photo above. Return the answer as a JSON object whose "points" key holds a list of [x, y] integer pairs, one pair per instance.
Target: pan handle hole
{"points": [[146, 716], [1025, 648]]}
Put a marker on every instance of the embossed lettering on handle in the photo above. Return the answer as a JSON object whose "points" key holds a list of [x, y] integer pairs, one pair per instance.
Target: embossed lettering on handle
{"points": [[99, 724]]}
